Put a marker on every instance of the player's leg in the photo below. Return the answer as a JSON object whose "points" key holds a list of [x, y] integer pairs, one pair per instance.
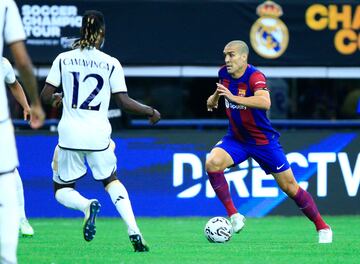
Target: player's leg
{"points": [[9, 209], [103, 164], [120, 198], [225, 154], [66, 195], [216, 163], [25, 227], [9, 219], [305, 202], [272, 160], [70, 165]]}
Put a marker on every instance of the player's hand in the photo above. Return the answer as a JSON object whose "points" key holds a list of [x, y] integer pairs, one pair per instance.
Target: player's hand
{"points": [[27, 113], [56, 100], [223, 91], [156, 116], [37, 116], [212, 103]]}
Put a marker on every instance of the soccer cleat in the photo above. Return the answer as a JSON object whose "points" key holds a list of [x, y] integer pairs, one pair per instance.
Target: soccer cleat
{"points": [[325, 235], [26, 229], [238, 222], [89, 228], [138, 243]]}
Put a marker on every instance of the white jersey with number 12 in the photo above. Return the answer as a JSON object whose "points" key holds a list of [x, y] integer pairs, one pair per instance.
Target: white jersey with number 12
{"points": [[88, 78]]}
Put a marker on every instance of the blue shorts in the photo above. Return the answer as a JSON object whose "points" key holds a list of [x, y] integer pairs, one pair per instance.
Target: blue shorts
{"points": [[271, 157]]}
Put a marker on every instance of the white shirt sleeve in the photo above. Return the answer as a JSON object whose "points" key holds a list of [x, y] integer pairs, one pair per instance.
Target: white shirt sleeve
{"points": [[8, 71], [117, 78], [54, 76], [14, 30]]}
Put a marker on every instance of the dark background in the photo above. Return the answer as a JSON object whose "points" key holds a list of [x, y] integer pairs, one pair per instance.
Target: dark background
{"points": [[195, 32]]}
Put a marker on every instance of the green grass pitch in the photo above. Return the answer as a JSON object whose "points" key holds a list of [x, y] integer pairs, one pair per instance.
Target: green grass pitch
{"points": [[181, 240]]}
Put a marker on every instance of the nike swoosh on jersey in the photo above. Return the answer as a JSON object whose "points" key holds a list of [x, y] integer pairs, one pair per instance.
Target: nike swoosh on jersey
{"points": [[279, 167]]}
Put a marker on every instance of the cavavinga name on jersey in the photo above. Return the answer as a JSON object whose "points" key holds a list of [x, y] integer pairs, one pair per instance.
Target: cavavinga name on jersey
{"points": [[86, 63]]}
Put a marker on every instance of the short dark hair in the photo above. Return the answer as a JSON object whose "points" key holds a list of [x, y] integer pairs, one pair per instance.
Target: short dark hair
{"points": [[92, 27]]}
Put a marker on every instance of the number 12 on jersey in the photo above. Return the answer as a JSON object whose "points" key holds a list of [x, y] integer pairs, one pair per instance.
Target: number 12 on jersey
{"points": [[85, 105]]}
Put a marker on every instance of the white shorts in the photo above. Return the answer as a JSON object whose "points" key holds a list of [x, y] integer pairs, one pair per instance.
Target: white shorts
{"points": [[69, 165], [8, 154]]}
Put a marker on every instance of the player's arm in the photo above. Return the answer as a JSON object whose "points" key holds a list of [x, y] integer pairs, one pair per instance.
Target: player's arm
{"points": [[260, 99], [213, 101], [48, 95], [132, 106], [122, 99], [53, 81], [24, 65], [18, 93]]}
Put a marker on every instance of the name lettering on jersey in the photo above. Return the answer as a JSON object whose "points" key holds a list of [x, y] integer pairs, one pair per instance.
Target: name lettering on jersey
{"points": [[231, 105], [87, 63]]}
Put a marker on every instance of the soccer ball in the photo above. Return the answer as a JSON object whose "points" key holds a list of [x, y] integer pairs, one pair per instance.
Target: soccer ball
{"points": [[218, 230]]}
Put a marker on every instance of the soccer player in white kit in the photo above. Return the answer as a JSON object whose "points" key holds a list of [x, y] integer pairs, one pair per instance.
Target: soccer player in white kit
{"points": [[89, 77], [12, 33], [18, 93]]}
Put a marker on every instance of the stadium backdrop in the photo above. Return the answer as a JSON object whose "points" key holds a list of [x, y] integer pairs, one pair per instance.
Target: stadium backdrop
{"points": [[164, 170], [164, 173], [304, 33]]}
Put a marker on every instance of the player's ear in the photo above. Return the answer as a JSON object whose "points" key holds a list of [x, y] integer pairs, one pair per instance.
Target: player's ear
{"points": [[244, 57]]}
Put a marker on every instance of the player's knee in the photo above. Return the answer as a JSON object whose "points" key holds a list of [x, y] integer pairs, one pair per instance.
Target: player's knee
{"points": [[61, 193], [214, 164], [58, 186], [290, 188], [110, 179]]}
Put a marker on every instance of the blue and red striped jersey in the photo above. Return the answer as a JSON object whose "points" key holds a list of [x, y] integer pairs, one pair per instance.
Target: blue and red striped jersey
{"points": [[249, 125]]}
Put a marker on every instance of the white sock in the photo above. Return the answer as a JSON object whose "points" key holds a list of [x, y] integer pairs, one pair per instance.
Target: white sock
{"points": [[120, 198], [20, 195], [71, 198], [9, 219]]}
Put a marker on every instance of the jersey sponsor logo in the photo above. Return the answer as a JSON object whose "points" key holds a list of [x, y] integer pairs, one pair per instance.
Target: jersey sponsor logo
{"points": [[231, 105], [269, 35]]}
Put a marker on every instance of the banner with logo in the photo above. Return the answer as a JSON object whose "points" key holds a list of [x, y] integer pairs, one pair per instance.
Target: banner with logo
{"points": [[164, 173], [280, 33]]}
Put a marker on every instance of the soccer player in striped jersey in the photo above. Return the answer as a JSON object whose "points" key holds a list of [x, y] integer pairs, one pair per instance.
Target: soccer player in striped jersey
{"points": [[88, 78], [250, 134]]}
